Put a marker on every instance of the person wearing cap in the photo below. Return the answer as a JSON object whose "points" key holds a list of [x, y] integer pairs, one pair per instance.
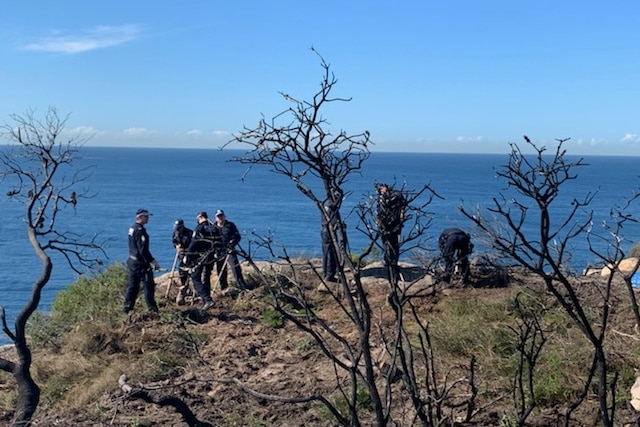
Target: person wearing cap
{"points": [[230, 238], [181, 240], [201, 255], [141, 265]]}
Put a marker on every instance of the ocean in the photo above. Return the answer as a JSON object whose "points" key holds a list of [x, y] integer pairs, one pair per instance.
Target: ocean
{"points": [[178, 183]]}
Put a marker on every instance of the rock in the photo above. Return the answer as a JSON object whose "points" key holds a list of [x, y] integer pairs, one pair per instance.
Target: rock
{"points": [[590, 271], [323, 288], [635, 394], [626, 266]]}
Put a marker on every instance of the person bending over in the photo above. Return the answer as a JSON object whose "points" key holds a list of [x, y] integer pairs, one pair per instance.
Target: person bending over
{"points": [[455, 247]]}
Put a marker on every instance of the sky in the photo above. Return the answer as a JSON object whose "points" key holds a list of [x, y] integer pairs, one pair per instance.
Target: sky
{"points": [[422, 76]]}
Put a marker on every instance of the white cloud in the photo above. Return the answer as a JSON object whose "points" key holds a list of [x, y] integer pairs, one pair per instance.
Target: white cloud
{"points": [[631, 137], [96, 38], [85, 130], [137, 131], [469, 138], [586, 142], [194, 132]]}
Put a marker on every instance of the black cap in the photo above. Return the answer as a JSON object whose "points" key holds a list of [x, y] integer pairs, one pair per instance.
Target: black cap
{"points": [[178, 223], [142, 212], [202, 214], [219, 212]]}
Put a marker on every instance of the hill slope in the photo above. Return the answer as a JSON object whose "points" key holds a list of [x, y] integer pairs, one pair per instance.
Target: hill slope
{"points": [[204, 359]]}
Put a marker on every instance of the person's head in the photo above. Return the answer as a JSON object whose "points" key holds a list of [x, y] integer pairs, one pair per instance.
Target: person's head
{"points": [[201, 217], [178, 224], [220, 216], [382, 189], [142, 216]]}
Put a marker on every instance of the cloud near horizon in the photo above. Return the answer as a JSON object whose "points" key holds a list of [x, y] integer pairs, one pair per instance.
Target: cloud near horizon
{"points": [[469, 138], [85, 131], [137, 131], [631, 137], [96, 38]]}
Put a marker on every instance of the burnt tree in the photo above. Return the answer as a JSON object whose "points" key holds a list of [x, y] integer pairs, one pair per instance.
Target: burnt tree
{"points": [[35, 170], [297, 144], [536, 181]]}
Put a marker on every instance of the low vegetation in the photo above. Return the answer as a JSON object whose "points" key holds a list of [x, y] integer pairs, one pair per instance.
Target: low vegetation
{"points": [[85, 344]]}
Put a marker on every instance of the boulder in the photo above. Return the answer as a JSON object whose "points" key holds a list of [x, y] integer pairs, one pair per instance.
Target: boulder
{"points": [[635, 395], [626, 266]]}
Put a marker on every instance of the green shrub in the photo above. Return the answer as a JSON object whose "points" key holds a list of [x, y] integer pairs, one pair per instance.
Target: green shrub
{"points": [[90, 298], [96, 299], [463, 328], [374, 256], [551, 382], [363, 401], [272, 318]]}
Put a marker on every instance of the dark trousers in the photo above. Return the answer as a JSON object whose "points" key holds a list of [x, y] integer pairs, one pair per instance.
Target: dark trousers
{"points": [[140, 273], [201, 278], [329, 259], [391, 248], [183, 274], [391, 243], [455, 249], [229, 262]]}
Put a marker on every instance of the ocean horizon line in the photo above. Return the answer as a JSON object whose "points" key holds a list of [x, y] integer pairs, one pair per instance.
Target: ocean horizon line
{"points": [[372, 151]]}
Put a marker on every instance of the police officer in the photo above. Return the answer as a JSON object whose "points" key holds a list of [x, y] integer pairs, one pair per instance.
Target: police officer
{"points": [[181, 239], [390, 219], [201, 255], [141, 265], [455, 247], [329, 258], [230, 238]]}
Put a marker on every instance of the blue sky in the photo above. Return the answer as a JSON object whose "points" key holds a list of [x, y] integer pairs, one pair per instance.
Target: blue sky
{"points": [[424, 76]]}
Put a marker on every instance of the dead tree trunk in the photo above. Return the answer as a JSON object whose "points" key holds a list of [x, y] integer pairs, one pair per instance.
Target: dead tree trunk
{"points": [[34, 170]]}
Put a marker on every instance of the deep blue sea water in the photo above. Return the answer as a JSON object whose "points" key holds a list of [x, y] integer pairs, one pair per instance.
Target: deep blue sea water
{"points": [[177, 183]]}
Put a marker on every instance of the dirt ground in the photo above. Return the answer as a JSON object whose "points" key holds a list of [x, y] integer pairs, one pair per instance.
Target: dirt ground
{"points": [[239, 349]]}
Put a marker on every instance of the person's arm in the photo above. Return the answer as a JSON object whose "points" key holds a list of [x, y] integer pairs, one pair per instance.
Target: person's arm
{"points": [[140, 245], [142, 241], [235, 236], [194, 239]]}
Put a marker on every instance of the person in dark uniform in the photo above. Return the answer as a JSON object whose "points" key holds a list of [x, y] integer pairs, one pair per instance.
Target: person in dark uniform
{"points": [[141, 265], [229, 260], [455, 247], [390, 219], [181, 239], [329, 258], [201, 255]]}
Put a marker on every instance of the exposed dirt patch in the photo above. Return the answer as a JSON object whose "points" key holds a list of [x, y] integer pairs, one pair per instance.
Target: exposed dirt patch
{"points": [[236, 345]]}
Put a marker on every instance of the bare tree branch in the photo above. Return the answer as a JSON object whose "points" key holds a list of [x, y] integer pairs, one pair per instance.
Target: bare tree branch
{"points": [[538, 180], [35, 168]]}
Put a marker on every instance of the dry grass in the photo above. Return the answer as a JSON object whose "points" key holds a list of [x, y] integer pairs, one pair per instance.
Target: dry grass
{"points": [[186, 352]]}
